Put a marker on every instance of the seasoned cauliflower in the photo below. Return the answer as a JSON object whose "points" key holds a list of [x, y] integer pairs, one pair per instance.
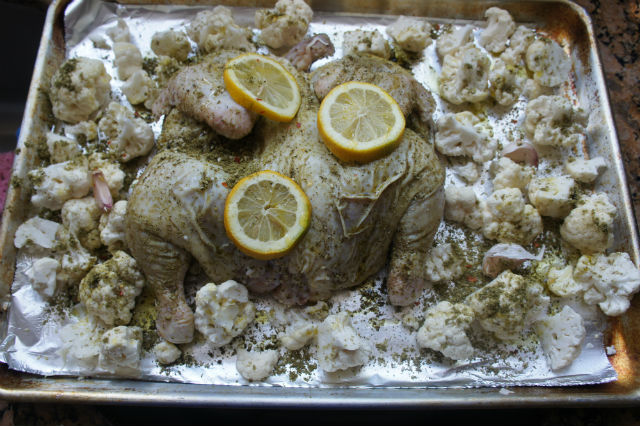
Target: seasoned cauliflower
{"points": [[75, 260], [467, 171], [120, 350], [42, 276], [508, 304], [61, 148], [444, 330], [588, 226], [532, 89], [171, 43], [215, 29], [166, 352], [112, 226], [223, 312], [462, 206], [83, 132], [79, 89], [553, 196], [129, 137], [548, 62], [37, 232], [506, 82], [500, 27], [552, 121], [609, 281], [510, 174], [256, 366], [362, 41], [561, 336], [586, 171], [508, 219], [111, 171], [110, 289], [298, 335], [518, 45], [339, 346], [465, 75], [463, 134], [138, 87], [120, 33], [57, 183], [81, 339], [81, 218], [411, 34], [561, 283], [128, 59], [285, 24], [453, 39], [443, 263]]}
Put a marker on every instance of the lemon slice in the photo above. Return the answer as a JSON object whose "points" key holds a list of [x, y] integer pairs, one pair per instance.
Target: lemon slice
{"points": [[360, 122], [266, 214], [262, 85]]}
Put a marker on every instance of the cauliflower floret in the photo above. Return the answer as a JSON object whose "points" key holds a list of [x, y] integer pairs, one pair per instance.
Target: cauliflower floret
{"points": [[507, 82], [462, 206], [120, 350], [215, 29], [552, 121], [463, 134], [112, 226], [552, 196], [500, 27], [166, 352], [79, 89], [256, 366], [465, 75], [532, 89], [110, 289], [361, 41], [81, 218], [588, 226], [452, 40], [138, 87], [298, 335], [57, 183], [411, 34], [508, 304], [171, 43], [42, 276], [443, 264], [81, 339], [444, 330], [339, 346], [129, 137], [111, 171], [75, 260], [510, 174], [561, 283], [586, 171], [61, 148], [609, 281], [548, 62], [467, 171], [518, 45], [508, 219], [561, 336], [83, 132], [38, 232], [284, 25], [128, 59], [120, 33], [223, 312]]}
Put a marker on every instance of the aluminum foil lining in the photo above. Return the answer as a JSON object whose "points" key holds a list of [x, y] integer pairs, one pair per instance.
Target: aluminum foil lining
{"points": [[33, 344]]}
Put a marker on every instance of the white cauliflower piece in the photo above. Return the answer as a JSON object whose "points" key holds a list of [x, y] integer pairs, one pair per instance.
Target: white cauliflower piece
{"points": [[588, 226], [75, 260], [532, 89], [453, 39], [508, 304], [81, 340], [110, 289], [57, 183], [444, 330], [586, 171], [79, 89], [463, 134], [120, 350], [84, 131], [215, 29], [223, 312], [443, 263], [298, 335], [561, 336], [112, 226], [42, 276], [510, 174], [339, 346], [285, 24], [129, 137], [138, 87], [506, 82], [553, 196], [462, 206], [465, 75], [171, 43], [467, 171], [561, 283], [507, 219], [552, 121], [500, 27], [61, 148], [518, 45], [411, 34], [166, 352], [362, 41], [256, 366], [120, 33], [128, 59], [38, 232], [81, 218], [609, 281], [111, 171], [548, 62]]}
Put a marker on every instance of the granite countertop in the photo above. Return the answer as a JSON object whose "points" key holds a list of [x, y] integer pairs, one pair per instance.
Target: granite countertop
{"points": [[617, 26]]}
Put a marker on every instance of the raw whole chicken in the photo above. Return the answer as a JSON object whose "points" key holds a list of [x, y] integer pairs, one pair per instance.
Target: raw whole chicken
{"points": [[363, 215]]}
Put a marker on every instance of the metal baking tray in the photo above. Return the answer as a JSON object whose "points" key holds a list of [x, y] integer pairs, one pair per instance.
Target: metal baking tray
{"points": [[561, 18]]}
